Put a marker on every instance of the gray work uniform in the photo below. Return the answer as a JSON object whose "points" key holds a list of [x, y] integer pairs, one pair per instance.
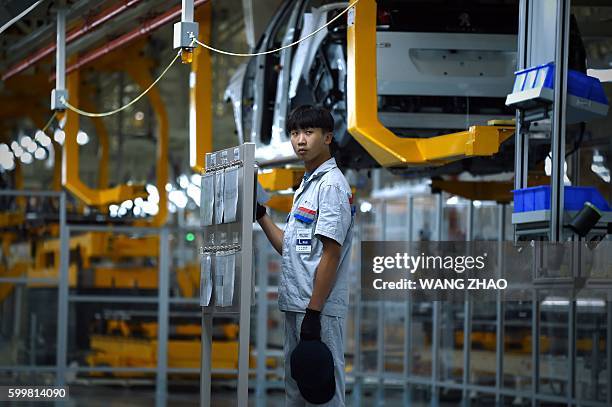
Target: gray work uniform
{"points": [[322, 206]]}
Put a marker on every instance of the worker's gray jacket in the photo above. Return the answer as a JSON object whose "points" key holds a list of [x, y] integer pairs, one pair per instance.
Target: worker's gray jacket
{"points": [[322, 206]]}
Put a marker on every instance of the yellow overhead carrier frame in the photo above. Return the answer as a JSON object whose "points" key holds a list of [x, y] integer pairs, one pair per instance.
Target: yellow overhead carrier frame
{"points": [[70, 170], [138, 68], [384, 146]]}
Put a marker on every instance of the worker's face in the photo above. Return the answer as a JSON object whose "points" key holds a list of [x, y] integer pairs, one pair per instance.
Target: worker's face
{"points": [[310, 143]]}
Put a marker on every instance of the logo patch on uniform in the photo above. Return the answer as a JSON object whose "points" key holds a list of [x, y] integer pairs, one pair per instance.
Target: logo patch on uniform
{"points": [[304, 214]]}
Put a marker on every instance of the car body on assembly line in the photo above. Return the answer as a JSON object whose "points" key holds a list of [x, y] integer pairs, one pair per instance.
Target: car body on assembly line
{"points": [[442, 66]]}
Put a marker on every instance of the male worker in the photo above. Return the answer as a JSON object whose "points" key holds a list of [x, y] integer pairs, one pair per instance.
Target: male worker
{"points": [[315, 244]]}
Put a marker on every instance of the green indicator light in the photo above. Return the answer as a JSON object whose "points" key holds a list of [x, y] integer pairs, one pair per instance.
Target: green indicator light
{"points": [[190, 237]]}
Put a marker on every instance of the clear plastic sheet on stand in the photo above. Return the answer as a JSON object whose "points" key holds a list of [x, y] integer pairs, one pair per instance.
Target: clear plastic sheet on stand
{"points": [[225, 272], [219, 187], [230, 194], [206, 283], [207, 198]]}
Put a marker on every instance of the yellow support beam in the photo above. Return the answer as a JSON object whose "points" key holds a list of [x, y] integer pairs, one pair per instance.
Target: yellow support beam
{"points": [[477, 141], [9, 219], [200, 95], [144, 278], [279, 179], [384, 146]]}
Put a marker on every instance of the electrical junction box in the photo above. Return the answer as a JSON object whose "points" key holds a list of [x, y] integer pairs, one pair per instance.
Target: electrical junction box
{"points": [[184, 32], [56, 99]]}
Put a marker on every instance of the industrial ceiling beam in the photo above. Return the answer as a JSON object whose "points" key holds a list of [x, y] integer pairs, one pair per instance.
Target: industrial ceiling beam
{"points": [[23, 47], [89, 25], [142, 30], [10, 9]]}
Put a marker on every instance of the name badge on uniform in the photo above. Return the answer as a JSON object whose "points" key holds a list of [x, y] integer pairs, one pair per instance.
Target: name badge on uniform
{"points": [[303, 242]]}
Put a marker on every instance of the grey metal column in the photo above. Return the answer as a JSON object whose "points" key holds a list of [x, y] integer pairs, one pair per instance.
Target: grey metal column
{"points": [[161, 384], [609, 351], [558, 120], [62, 296], [262, 331], [60, 92], [60, 54], [357, 369], [380, 327], [439, 215], [571, 321], [467, 319], [596, 364], [500, 311], [535, 348], [408, 317], [18, 302], [33, 334], [535, 330], [246, 263], [380, 353], [187, 10], [571, 350], [436, 311], [435, 345], [206, 358], [357, 388], [521, 136]]}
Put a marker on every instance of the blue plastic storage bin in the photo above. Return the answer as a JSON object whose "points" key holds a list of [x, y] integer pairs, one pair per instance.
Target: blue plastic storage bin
{"points": [[575, 197], [538, 198], [578, 84], [534, 77]]}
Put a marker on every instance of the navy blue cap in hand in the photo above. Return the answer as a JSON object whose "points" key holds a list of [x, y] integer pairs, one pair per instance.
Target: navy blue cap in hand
{"points": [[312, 367]]}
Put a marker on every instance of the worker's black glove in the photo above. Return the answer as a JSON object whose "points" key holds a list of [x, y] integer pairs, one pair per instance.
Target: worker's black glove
{"points": [[261, 211], [311, 326]]}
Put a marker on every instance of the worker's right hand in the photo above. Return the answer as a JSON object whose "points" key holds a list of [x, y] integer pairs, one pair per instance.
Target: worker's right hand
{"points": [[261, 211], [311, 326]]}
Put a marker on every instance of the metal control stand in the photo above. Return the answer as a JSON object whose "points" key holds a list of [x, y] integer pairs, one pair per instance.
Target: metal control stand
{"points": [[241, 228], [538, 46], [535, 48]]}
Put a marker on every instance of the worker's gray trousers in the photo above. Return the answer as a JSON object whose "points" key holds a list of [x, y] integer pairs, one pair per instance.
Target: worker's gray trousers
{"points": [[332, 334]]}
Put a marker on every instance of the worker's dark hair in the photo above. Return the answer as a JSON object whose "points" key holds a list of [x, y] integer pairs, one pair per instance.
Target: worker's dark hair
{"points": [[305, 116]]}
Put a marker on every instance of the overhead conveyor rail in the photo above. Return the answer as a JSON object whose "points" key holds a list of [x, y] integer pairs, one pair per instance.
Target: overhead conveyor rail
{"points": [[387, 148]]}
